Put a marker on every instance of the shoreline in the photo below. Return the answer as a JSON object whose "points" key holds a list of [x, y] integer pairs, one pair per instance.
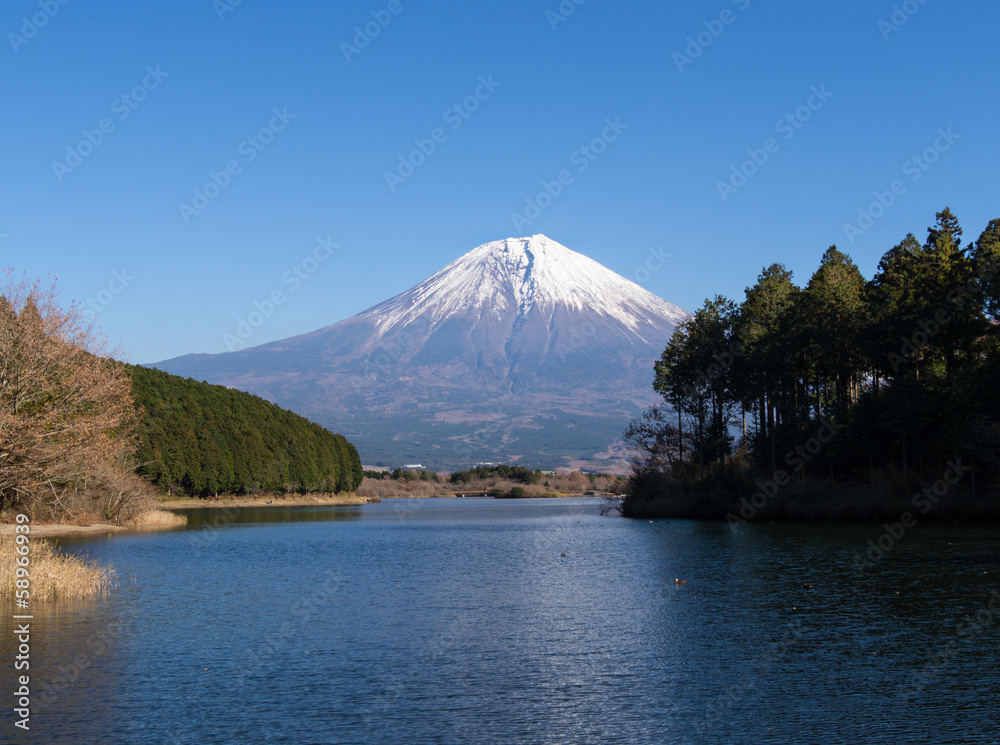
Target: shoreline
{"points": [[196, 503], [61, 530]]}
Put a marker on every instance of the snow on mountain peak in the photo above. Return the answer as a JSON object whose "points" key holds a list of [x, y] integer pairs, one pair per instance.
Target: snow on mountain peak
{"points": [[522, 275]]}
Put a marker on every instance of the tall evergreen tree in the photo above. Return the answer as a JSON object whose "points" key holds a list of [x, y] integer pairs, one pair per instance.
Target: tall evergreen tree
{"points": [[764, 320], [834, 309]]}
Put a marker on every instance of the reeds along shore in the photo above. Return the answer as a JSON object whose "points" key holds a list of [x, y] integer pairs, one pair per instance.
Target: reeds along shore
{"points": [[52, 574], [159, 520]]}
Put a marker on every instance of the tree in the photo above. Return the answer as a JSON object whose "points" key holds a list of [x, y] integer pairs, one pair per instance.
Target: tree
{"points": [[834, 310], [764, 324], [907, 365], [654, 443], [985, 254], [894, 298], [693, 375], [66, 411]]}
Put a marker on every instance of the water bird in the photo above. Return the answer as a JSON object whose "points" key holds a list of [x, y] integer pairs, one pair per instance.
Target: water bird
{"points": [[678, 581], [808, 586]]}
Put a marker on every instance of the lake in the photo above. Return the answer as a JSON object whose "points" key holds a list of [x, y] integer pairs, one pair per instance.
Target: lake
{"points": [[525, 621]]}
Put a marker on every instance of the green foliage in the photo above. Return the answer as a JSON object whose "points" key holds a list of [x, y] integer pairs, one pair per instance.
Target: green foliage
{"points": [[411, 474], [512, 473], [906, 364], [200, 439]]}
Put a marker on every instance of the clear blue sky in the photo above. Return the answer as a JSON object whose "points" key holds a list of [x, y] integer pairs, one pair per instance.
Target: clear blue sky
{"points": [[189, 277]]}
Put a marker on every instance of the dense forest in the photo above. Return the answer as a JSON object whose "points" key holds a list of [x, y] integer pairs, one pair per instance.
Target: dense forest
{"points": [[201, 439], [891, 384]]}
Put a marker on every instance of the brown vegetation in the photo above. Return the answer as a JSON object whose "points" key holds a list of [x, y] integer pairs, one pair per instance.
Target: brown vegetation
{"points": [[159, 520], [67, 416], [54, 575], [556, 485]]}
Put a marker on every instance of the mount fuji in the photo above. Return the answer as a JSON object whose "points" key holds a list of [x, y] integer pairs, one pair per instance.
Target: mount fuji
{"points": [[521, 351]]}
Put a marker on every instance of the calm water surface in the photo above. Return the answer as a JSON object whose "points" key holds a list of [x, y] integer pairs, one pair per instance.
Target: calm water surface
{"points": [[482, 621]]}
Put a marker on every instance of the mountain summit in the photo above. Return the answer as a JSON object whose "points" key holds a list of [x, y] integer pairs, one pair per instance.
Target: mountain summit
{"points": [[522, 274], [519, 351]]}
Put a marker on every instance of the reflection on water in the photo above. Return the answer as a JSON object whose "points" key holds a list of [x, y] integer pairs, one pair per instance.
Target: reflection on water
{"points": [[221, 516], [472, 621]]}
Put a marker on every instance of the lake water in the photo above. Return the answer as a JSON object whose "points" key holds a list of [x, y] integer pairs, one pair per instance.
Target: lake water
{"points": [[537, 621]]}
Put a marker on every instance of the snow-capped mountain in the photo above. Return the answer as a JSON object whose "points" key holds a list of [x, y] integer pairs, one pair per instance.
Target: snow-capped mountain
{"points": [[518, 274], [519, 351]]}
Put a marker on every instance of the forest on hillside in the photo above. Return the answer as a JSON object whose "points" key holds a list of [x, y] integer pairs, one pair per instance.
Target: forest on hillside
{"points": [[201, 439], [890, 384]]}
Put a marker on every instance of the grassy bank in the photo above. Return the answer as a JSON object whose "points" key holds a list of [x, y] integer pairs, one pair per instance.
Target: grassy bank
{"points": [[53, 574]]}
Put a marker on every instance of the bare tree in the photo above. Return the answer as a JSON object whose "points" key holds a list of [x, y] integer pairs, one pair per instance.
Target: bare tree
{"points": [[653, 442], [67, 417]]}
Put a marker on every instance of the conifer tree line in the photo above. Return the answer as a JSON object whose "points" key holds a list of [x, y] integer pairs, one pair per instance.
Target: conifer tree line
{"points": [[78, 428], [901, 371], [202, 439]]}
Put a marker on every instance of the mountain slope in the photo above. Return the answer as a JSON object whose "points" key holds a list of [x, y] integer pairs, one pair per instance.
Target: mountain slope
{"points": [[201, 439], [519, 350]]}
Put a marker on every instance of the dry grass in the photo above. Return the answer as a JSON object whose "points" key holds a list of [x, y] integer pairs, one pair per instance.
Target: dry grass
{"points": [[549, 485], [53, 575], [159, 520]]}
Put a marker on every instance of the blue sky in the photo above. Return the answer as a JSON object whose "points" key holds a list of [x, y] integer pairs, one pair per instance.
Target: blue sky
{"points": [[695, 90]]}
